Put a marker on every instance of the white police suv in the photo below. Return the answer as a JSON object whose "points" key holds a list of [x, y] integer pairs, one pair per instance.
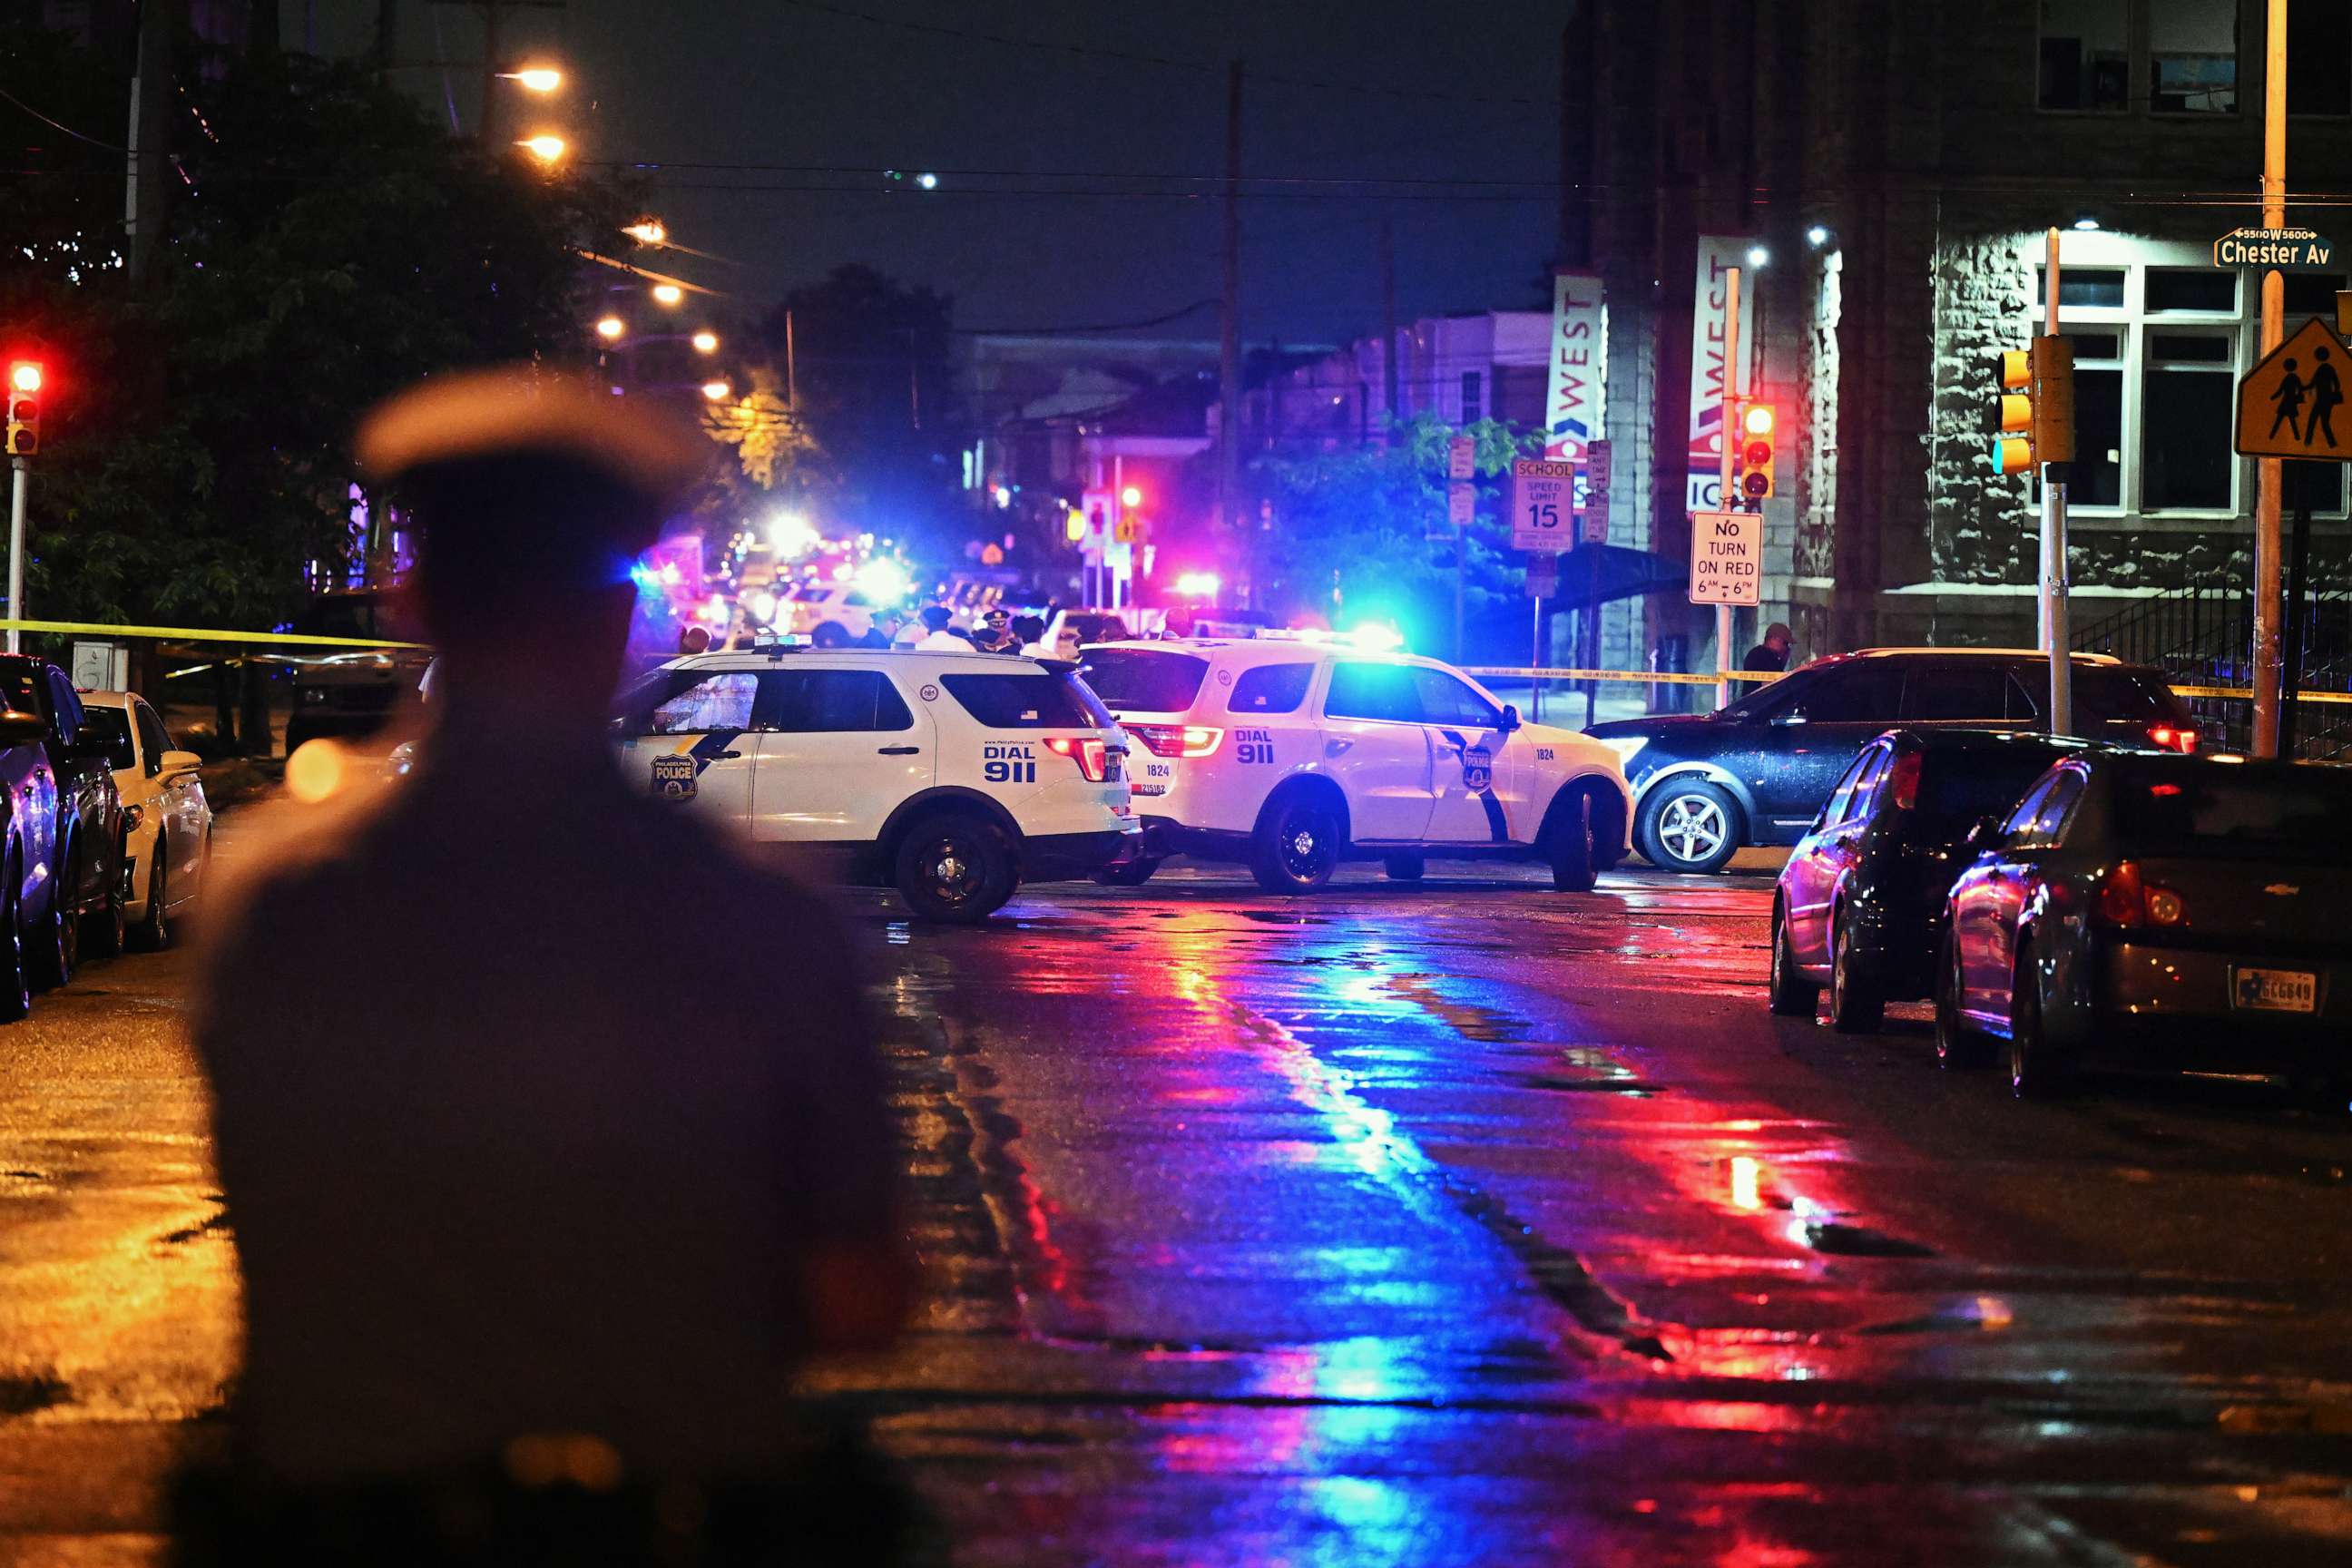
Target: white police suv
{"points": [[954, 776], [1293, 755]]}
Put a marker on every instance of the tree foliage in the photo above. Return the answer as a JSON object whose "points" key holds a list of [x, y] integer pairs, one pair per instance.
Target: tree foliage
{"points": [[1358, 519], [327, 245]]}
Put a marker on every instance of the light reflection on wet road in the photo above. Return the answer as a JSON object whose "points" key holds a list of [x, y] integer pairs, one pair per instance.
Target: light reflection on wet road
{"points": [[1465, 1223], [1471, 1222]]}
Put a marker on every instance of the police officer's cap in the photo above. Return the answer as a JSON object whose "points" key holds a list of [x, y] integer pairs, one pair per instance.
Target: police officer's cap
{"points": [[522, 470]]}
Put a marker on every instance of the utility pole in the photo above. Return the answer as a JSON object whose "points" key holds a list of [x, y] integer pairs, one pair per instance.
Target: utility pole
{"points": [[2056, 641], [2270, 470], [16, 483], [1728, 422], [1229, 354], [151, 126], [792, 371]]}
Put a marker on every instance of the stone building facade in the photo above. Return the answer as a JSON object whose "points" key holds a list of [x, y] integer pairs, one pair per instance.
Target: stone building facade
{"points": [[1901, 164]]}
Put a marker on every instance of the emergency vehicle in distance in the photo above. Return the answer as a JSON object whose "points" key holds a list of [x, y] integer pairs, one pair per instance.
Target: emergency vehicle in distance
{"points": [[1292, 755], [955, 777]]}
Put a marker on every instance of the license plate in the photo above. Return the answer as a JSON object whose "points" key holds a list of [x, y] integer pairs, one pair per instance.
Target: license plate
{"points": [[2276, 989]]}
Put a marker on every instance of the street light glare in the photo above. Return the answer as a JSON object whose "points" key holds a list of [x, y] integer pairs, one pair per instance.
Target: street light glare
{"points": [[547, 149], [668, 294], [1817, 237], [1758, 256], [716, 391], [647, 231], [1131, 496], [2086, 223], [706, 342], [536, 78], [611, 327], [928, 181]]}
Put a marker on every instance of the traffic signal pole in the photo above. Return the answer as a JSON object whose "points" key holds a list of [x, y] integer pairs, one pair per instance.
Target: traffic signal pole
{"points": [[2056, 641], [16, 545], [2269, 472], [1723, 495]]}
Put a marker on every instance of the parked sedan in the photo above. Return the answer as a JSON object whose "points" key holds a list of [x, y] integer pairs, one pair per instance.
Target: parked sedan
{"points": [[167, 823], [2140, 910], [1756, 770], [1860, 905]]}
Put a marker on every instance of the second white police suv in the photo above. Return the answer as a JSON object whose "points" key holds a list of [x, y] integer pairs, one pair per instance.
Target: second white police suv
{"points": [[954, 776], [1292, 756]]}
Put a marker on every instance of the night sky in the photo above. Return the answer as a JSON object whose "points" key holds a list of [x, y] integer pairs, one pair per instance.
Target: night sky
{"points": [[1421, 93]]}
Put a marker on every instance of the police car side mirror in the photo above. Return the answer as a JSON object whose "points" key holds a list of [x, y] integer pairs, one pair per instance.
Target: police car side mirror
{"points": [[1511, 719], [1793, 716]]}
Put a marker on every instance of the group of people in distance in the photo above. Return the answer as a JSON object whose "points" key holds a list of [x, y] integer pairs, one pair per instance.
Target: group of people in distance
{"points": [[933, 630]]}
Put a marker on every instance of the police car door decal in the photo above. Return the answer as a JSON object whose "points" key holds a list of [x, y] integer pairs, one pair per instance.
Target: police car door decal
{"points": [[1478, 778], [677, 774]]}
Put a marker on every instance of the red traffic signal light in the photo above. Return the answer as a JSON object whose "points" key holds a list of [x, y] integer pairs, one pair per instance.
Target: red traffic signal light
{"points": [[1758, 425], [24, 393]]}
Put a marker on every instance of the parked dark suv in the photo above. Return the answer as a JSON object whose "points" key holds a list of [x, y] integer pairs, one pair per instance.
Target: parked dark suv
{"points": [[63, 832], [1757, 772]]}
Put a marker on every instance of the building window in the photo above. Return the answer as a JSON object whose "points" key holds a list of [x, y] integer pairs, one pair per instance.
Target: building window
{"points": [[2182, 288], [2085, 55], [1470, 414], [2083, 288], [2319, 58], [2098, 419], [2193, 57], [2188, 391]]}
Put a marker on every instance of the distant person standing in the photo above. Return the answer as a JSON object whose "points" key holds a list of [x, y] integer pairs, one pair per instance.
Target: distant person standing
{"points": [[536, 1230], [940, 635], [996, 633], [1772, 653], [1031, 630]]}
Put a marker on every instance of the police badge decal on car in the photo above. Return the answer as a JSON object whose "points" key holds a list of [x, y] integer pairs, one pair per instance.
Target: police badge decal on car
{"points": [[674, 778]]}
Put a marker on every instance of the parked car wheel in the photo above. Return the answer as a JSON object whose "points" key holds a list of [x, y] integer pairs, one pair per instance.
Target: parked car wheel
{"points": [[1792, 995], [57, 940], [1297, 845], [154, 930], [2032, 1074], [1574, 868], [956, 867], [1689, 824], [106, 927], [1957, 1046], [1404, 867], [1857, 1006]]}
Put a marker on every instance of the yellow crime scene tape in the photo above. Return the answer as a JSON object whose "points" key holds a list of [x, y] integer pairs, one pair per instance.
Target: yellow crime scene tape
{"points": [[199, 634], [1631, 676]]}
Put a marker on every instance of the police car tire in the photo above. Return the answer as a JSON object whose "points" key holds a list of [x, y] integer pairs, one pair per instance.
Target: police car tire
{"points": [[1661, 798], [987, 855], [1573, 867], [1404, 867], [1274, 859]]}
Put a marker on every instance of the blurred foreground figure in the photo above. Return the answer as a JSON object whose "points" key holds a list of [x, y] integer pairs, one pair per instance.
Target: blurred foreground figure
{"points": [[553, 1133]]}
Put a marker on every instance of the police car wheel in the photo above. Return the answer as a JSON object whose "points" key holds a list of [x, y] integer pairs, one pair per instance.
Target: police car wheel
{"points": [[1297, 845], [1573, 867], [1403, 867], [955, 867], [1688, 825], [1127, 873]]}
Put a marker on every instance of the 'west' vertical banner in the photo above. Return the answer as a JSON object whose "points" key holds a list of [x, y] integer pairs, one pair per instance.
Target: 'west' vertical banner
{"points": [[1718, 254], [1572, 387]]}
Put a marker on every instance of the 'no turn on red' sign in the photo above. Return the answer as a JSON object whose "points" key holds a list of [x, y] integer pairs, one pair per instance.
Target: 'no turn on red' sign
{"points": [[1727, 558]]}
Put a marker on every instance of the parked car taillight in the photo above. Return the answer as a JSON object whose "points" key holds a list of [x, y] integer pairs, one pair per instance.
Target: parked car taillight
{"points": [[2173, 738], [2126, 899], [1176, 740], [1091, 754]]}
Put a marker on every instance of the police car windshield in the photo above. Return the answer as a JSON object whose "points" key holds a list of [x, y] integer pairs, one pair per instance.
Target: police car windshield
{"points": [[1144, 680], [1041, 701], [111, 726]]}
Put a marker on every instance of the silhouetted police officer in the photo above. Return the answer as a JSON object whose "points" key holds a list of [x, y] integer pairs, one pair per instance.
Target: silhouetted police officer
{"points": [[553, 1132]]}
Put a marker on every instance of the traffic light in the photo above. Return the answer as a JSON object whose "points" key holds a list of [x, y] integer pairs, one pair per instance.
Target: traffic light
{"points": [[23, 408], [2037, 406], [1757, 425]]}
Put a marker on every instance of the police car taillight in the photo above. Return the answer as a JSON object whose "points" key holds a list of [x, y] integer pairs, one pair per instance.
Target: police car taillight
{"points": [[1176, 740], [1091, 755]]}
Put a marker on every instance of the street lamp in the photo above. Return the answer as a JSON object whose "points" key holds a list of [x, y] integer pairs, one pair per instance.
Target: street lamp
{"points": [[535, 78], [706, 342], [1758, 256], [611, 327], [668, 295], [716, 391], [647, 231], [547, 148], [1131, 497]]}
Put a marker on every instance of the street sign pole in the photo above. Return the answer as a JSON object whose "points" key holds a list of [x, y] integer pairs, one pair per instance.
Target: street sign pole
{"points": [[1723, 434], [2298, 617], [17, 546], [2269, 469], [2056, 643]]}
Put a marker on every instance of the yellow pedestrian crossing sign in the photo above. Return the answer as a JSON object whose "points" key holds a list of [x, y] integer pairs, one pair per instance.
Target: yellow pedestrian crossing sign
{"points": [[2291, 404]]}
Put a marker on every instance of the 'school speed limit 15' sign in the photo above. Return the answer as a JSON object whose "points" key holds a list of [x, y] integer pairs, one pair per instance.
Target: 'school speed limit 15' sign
{"points": [[1543, 501], [1727, 558]]}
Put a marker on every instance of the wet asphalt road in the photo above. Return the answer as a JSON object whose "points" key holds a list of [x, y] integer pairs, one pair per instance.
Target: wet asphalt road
{"points": [[1464, 1223]]}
